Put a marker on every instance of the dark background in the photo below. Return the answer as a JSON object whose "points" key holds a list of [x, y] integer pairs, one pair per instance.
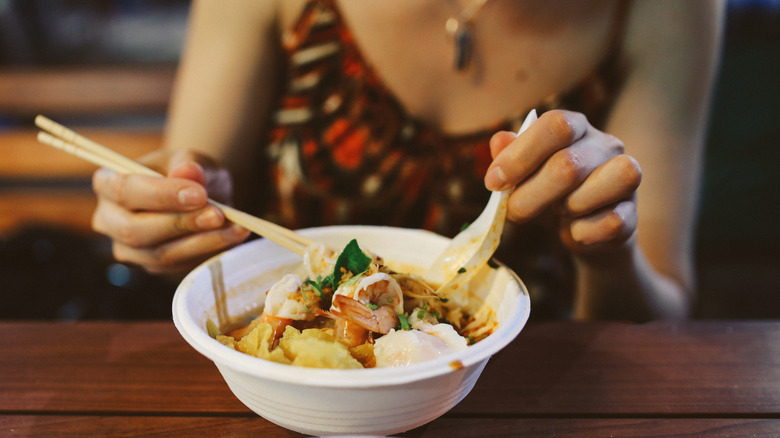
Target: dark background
{"points": [[737, 257]]}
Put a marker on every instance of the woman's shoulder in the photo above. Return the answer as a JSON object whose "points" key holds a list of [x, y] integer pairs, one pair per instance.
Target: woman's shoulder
{"points": [[654, 27]]}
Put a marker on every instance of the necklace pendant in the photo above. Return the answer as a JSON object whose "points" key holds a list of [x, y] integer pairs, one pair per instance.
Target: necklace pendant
{"points": [[462, 40]]}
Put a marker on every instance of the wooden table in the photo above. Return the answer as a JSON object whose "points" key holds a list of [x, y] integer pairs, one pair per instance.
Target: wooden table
{"points": [[705, 378]]}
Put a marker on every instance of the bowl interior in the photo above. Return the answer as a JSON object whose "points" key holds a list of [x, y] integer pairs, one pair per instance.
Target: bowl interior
{"points": [[232, 285]]}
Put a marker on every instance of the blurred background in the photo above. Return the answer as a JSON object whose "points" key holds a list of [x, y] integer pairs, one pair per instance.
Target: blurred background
{"points": [[105, 68]]}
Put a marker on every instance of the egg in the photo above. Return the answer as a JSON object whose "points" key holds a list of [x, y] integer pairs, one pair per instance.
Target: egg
{"points": [[428, 341]]}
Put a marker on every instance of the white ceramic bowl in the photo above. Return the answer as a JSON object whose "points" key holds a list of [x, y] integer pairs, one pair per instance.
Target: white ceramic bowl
{"points": [[378, 401]]}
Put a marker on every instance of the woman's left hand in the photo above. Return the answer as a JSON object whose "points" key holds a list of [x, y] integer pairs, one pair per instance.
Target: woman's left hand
{"points": [[563, 164]]}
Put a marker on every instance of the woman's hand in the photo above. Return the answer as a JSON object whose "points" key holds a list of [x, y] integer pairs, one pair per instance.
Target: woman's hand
{"points": [[165, 224], [564, 164]]}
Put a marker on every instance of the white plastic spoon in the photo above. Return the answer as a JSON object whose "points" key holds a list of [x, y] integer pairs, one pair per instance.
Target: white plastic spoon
{"points": [[475, 245]]}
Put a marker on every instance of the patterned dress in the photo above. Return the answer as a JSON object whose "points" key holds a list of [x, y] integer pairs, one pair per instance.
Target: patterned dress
{"points": [[342, 150]]}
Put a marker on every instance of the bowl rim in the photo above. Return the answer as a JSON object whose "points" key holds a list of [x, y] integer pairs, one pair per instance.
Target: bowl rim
{"points": [[223, 356]]}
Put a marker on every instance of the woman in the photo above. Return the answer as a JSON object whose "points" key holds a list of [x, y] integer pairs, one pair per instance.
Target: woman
{"points": [[354, 111]]}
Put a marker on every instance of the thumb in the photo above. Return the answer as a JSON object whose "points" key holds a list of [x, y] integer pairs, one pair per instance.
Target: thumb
{"points": [[183, 164]]}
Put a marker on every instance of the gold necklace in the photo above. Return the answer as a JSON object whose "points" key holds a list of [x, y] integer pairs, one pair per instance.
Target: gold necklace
{"points": [[460, 29]]}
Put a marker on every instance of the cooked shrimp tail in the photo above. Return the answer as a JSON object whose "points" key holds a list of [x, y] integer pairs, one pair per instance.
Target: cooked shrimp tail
{"points": [[351, 333], [318, 260], [379, 320], [277, 323]]}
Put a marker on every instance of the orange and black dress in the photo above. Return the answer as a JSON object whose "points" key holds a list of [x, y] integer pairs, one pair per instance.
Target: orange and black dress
{"points": [[344, 151]]}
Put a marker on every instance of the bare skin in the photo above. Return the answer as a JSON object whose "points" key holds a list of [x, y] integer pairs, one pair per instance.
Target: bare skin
{"points": [[624, 198]]}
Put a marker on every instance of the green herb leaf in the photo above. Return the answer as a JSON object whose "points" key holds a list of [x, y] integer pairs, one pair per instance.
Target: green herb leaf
{"points": [[353, 259], [372, 306], [461, 270]]}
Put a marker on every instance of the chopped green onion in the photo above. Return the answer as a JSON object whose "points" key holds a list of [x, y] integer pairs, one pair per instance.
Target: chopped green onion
{"points": [[461, 270], [303, 294], [327, 281], [404, 322], [314, 285]]}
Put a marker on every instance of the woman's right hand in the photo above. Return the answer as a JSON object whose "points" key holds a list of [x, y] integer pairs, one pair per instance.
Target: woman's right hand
{"points": [[166, 225]]}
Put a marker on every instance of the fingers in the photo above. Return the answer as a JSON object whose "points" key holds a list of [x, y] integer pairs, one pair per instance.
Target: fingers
{"points": [[610, 225], [555, 130], [217, 180], [165, 224], [141, 192], [560, 156], [562, 162], [181, 255], [559, 176], [189, 170], [166, 243], [603, 208], [141, 229], [615, 180]]}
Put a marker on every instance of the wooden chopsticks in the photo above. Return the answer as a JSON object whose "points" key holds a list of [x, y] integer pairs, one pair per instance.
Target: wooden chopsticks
{"points": [[69, 141]]}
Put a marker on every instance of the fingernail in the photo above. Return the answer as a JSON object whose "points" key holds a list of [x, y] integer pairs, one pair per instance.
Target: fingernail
{"points": [[496, 179], [209, 219], [104, 176], [191, 196]]}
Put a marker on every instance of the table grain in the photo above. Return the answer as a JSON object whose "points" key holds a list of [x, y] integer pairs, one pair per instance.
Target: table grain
{"points": [[561, 378]]}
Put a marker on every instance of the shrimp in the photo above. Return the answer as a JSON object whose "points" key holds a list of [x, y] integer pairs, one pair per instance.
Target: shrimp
{"points": [[379, 320], [286, 302], [366, 304], [318, 260]]}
